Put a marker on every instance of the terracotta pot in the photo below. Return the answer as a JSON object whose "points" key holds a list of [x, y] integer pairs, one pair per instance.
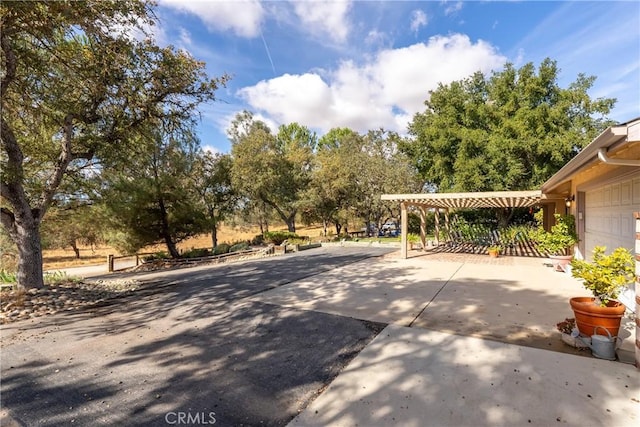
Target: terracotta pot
{"points": [[560, 262], [494, 254], [589, 315]]}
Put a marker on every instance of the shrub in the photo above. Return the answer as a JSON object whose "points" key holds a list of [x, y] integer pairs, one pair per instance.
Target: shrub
{"points": [[222, 248], [561, 238], [155, 256], [239, 247], [277, 237], [257, 240], [196, 253], [607, 275]]}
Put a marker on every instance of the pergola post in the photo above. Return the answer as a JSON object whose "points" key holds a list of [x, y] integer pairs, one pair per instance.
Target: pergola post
{"points": [[446, 223], [423, 227], [404, 227], [437, 222]]}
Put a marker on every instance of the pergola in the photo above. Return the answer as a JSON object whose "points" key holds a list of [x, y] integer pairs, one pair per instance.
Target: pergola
{"points": [[448, 201]]}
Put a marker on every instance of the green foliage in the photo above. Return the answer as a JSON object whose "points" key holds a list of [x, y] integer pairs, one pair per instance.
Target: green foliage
{"points": [[607, 275], [7, 277], [211, 182], [277, 237], [196, 253], [413, 238], [78, 94], [273, 169], [155, 256], [242, 246], [464, 231], [57, 277], [495, 248], [72, 224], [562, 237], [151, 200], [221, 249], [508, 131], [257, 240]]}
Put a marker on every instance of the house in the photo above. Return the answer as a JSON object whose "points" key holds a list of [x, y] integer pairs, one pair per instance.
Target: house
{"points": [[601, 188]]}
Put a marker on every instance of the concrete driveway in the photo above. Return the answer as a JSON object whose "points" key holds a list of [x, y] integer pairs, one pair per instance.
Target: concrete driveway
{"points": [[333, 336]]}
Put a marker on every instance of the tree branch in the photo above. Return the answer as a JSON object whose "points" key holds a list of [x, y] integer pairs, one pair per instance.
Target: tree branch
{"points": [[9, 64]]}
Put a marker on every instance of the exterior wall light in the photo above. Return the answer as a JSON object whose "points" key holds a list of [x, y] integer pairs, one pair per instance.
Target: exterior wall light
{"points": [[569, 200]]}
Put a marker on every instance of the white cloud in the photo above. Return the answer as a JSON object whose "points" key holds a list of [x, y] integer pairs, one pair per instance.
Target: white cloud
{"points": [[452, 8], [243, 17], [384, 92], [327, 18], [185, 37], [418, 19], [211, 149]]}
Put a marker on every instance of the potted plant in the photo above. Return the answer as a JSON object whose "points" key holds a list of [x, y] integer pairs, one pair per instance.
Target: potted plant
{"points": [[494, 251], [558, 243], [413, 240], [606, 276]]}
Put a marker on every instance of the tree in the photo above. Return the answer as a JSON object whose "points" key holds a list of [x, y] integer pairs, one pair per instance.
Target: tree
{"points": [[509, 131], [352, 172], [332, 190], [151, 199], [76, 87], [71, 226], [382, 170], [275, 169], [212, 182]]}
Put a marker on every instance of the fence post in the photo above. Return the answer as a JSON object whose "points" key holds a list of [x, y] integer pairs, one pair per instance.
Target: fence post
{"points": [[110, 263]]}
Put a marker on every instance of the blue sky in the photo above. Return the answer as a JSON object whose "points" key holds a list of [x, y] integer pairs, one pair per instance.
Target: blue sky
{"points": [[370, 64]]}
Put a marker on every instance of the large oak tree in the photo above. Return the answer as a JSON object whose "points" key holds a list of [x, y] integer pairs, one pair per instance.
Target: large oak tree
{"points": [[508, 131], [75, 88]]}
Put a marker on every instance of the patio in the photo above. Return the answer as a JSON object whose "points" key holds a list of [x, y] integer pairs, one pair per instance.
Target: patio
{"points": [[471, 340], [515, 300]]}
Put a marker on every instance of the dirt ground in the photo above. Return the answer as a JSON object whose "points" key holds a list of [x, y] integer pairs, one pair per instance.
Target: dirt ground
{"points": [[62, 258]]}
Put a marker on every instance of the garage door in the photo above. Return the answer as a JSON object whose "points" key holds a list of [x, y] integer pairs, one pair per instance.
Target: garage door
{"points": [[609, 213]]}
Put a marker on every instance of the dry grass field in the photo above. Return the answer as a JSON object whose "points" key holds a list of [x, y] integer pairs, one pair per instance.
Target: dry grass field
{"points": [[61, 258]]}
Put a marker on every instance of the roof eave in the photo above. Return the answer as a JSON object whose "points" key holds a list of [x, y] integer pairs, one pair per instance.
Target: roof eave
{"points": [[606, 139]]}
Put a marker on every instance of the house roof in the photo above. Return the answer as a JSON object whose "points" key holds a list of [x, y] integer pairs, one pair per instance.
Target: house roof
{"points": [[493, 199], [608, 139]]}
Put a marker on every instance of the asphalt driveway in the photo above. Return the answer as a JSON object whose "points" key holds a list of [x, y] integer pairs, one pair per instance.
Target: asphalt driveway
{"points": [[191, 348]]}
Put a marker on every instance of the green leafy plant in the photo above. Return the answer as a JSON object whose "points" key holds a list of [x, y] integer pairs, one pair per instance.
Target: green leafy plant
{"points": [[239, 247], [196, 253], [7, 277], [561, 238], [222, 248], [413, 238], [495, 248], [607, 275], [155, 256], [277, 237]]}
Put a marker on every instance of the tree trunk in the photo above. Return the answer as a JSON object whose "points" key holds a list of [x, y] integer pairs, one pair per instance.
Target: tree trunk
{"points": [[166, 234], [75, 248], [504, 215], [27, 239], [214, 236]]}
